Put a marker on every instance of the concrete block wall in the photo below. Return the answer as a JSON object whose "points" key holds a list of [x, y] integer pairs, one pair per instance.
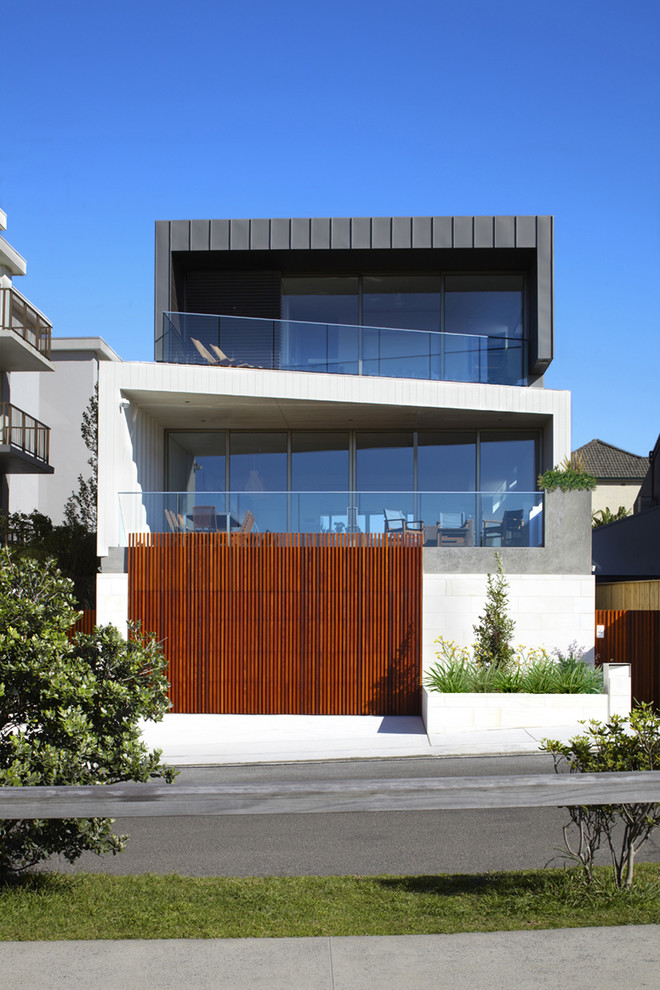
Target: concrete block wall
{"points": [[549, 610]]}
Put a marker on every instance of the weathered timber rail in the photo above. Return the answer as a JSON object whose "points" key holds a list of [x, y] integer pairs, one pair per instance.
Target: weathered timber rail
{"points": [[313, 797]]}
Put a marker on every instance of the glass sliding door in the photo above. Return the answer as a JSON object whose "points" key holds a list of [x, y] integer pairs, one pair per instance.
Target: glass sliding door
{"points": [[315, 342], [488, 307], [320, 468], [258, 479], [404, 303], [508, 468], [446, 477], [384, 462]]}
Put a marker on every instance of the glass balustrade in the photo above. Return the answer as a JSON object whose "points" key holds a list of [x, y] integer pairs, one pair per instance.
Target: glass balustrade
{"points": [[444, 519], [291, 345]]}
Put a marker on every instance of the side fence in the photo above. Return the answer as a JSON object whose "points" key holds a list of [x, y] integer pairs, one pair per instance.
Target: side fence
{"points": [[86, 622], [632, 636], [269, 624], [310, 797]]}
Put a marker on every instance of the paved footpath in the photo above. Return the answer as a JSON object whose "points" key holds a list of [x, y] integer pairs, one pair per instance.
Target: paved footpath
{"points": [[587, 958]]}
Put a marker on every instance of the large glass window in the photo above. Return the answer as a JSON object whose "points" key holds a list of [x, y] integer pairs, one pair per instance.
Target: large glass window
{"points": [[384, 462], [196, 462], [321, 300], [319, 462], [315, 342], [508, 462], [302, 481], [489, 307], [258, 462]]}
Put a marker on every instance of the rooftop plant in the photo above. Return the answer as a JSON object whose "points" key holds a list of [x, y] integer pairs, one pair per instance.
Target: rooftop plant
{"points": [[570, 475]]}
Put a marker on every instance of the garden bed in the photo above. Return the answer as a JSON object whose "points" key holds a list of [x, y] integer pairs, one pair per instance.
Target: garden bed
{"points": [[469, 712]]}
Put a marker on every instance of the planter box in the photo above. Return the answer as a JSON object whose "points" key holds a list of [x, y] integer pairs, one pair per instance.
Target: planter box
{"points": [[476, 712]]}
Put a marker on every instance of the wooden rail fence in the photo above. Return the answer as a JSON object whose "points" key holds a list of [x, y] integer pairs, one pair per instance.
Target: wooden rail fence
{"points": [[311, 797], [271, 623], [632, 636]]}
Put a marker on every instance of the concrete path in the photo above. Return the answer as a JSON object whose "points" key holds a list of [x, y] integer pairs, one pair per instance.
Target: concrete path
{"points": [[203, 740], [588, 958]]}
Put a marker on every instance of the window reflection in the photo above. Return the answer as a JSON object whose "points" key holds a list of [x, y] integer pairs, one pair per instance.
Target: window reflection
{"points": [[196, 462]]}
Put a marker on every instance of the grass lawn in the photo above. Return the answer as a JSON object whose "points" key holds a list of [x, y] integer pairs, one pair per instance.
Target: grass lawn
{"points": [[86, 906]]}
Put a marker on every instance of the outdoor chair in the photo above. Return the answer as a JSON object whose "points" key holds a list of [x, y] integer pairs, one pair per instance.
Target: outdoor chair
{"points": [[204, 519], [508, 529], [454, 530], [397, 522], [205, 353], [247, 524], [172, 521]]}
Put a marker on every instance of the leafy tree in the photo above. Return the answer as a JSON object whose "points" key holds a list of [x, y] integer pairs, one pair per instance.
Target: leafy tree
{"points": [[494, 630], [604, 516], [620, 745], [69, 710], [71, 545], [80, 507]]}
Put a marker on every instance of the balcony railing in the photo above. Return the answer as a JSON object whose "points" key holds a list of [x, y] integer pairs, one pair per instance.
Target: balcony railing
{"points": [[24, 432], [17, 314], [445, 519], [290, 345]]}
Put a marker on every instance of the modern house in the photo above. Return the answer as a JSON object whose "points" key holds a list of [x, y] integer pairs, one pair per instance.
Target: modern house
{"points": [[344, 423], [25, 342], [619, 474]]}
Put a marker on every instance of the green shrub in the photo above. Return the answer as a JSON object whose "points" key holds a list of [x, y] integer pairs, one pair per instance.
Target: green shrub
{"points": [[69, 710], [620, 745], [494, 630], [531, 672]]}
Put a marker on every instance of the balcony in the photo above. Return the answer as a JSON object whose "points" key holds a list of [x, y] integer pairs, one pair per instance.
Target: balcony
{"points": [[24, 442], [24, 334], [443, 519], [289, 345]]}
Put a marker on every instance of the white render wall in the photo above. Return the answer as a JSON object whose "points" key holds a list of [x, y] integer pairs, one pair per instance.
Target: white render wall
{"points": [[549, 610], [612, 496]]}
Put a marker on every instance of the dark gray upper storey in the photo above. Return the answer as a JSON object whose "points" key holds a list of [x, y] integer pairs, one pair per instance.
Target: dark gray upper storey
{"points": [[265, 250]]}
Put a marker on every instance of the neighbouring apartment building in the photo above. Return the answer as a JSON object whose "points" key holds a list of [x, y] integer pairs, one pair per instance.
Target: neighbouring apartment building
{"points": [[25, 346], [324, 389]]}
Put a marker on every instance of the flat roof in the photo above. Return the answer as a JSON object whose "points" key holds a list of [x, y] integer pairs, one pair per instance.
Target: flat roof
{"points": [[97, 345]]}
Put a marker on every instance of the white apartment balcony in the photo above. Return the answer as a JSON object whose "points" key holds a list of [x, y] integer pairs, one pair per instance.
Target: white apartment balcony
{"points": [[24, 442], [24, 334]]}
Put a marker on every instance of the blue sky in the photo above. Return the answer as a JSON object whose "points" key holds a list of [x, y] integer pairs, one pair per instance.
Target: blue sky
{"points": [[118, 114]]}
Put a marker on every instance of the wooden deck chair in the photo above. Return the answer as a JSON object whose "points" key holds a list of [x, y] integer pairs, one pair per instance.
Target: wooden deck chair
{"points": [[228, 362], [222, 357], [247, 524], [206, 354], [172, 521]]}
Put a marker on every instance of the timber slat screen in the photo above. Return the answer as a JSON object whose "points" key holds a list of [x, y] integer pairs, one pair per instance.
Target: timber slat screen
{"points": [[632, 637], [85, 624], [309, 624]]}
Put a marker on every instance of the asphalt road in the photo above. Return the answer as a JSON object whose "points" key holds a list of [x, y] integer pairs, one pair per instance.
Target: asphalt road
{"points": [[346, 843]]}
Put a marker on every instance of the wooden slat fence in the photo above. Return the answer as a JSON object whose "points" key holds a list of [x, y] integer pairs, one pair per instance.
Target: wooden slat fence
{"points": [[636, 595], [309, 624], [632, 637], [85, 624]]}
